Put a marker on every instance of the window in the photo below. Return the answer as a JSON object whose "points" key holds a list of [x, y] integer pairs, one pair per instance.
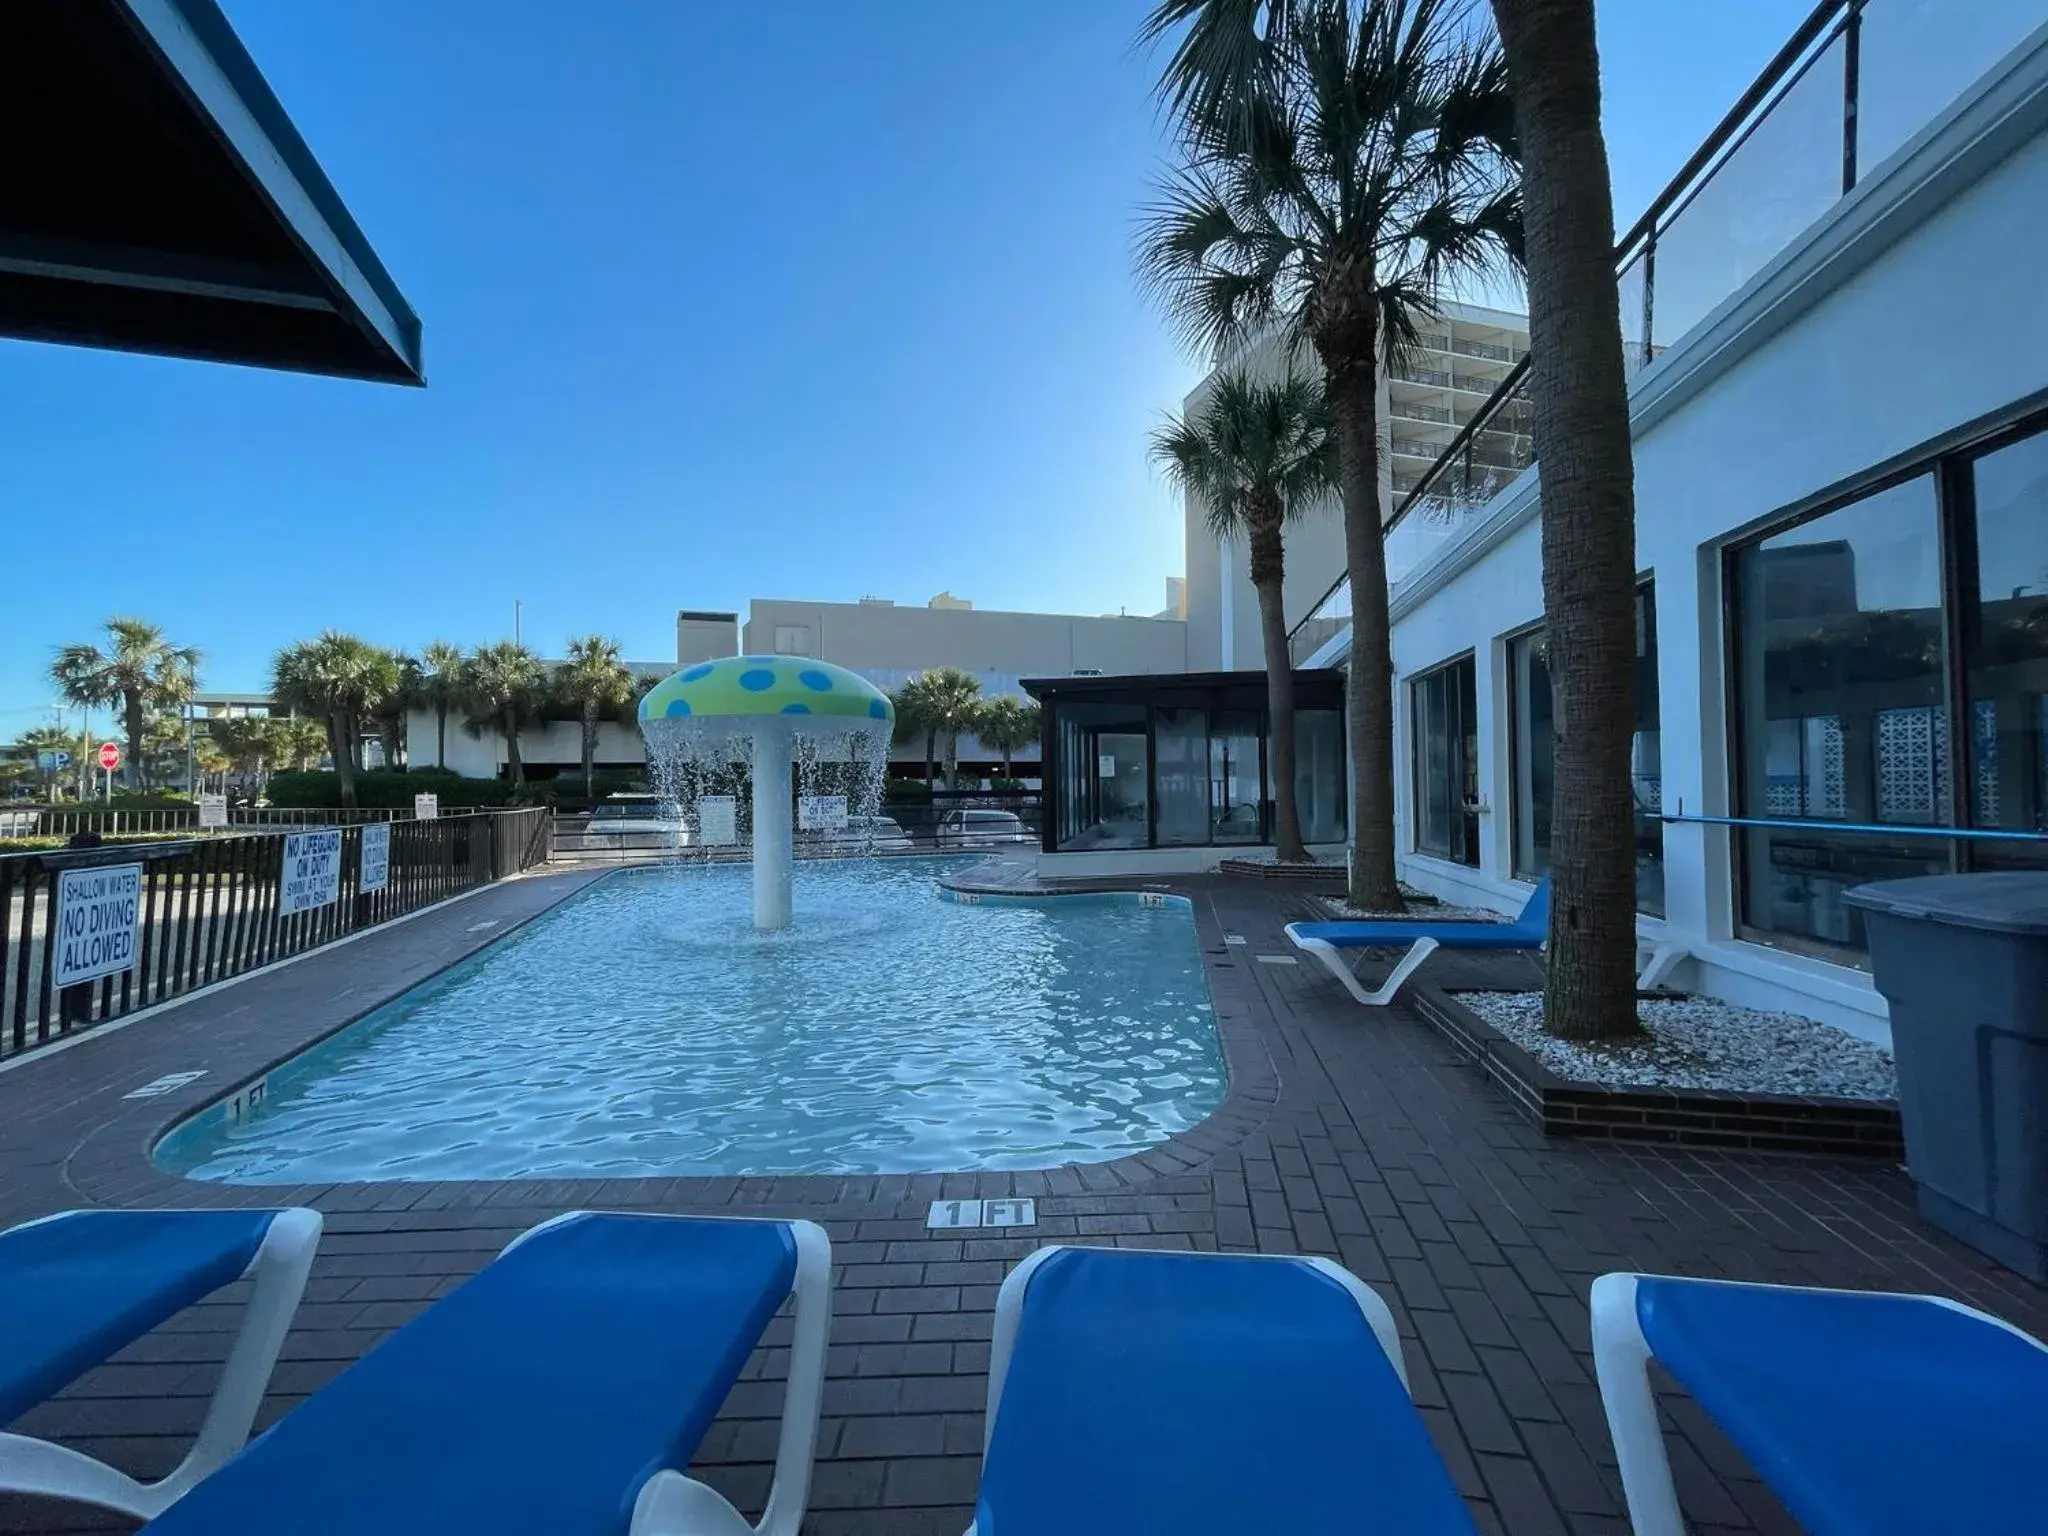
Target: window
{"points": [[1891, 669], [1444, 712], [2004, 624], [1180, 741], [1319, 774], [1235, 810], [792, 639], [1105, 769], [1530, 708]]}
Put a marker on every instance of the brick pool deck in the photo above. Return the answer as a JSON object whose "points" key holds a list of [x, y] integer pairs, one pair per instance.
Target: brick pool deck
{"points": [[1361, 1136]]}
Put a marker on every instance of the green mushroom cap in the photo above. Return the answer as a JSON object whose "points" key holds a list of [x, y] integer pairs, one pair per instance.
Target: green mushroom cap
{"points": [[767, 685]]}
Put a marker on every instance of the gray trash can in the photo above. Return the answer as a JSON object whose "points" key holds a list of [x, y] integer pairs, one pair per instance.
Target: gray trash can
{"points": [[1963, 960]]}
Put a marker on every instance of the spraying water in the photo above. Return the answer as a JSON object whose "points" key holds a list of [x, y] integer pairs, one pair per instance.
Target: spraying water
{"points": [[753, 731]]}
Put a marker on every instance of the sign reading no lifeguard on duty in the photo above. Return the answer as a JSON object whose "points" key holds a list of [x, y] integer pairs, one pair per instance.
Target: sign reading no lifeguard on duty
{"points": [[312, 871], [99, 917]]}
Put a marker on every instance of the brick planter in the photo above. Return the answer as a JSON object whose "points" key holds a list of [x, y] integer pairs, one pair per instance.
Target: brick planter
{"points": [[1694, 1117], [1259, 870]]}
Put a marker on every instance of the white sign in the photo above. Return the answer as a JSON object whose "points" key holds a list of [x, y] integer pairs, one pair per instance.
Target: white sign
{"points": [[426, 807], [718, 821], [376, 868], [312, 871], [821, 813], [99, 919], [981, 1213], [1105, 767], [213, 811]]}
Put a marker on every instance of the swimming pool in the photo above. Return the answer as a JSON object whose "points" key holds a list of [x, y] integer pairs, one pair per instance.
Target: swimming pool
{"points": [[645, 1027]]}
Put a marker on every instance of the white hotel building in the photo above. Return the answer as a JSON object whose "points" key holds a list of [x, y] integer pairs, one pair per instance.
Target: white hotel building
{"points": [[1838, 328]]}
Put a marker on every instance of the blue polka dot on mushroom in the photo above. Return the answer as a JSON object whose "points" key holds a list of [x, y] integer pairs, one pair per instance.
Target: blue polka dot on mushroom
{"points": [[796, 709], [878, 709], [677, 708], [695, 673], [817, 682], [760, 680]]}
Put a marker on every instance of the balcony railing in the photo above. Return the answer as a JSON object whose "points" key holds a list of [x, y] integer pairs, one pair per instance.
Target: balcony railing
{"points": [[1438, 377], [1411, 410], [1852, 86], [1484, 349]]}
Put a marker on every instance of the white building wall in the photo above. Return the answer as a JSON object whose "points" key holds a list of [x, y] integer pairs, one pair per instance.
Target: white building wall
{"points": [[1915, 307]]}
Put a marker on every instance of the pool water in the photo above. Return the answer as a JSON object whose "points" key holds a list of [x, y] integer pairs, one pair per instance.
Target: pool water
{"points": [[644, 1027]]}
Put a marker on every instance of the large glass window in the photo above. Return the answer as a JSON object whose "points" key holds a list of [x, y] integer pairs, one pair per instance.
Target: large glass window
{"points": [[1180, 740], [1104, 800], [1530, 706], [1234, 804], [1444, 713], [1843, 716], [2005, 650], [1319, 774]]}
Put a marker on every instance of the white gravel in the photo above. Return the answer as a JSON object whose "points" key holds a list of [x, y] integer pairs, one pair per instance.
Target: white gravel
{"points": [[1697, 1042], [1421, 909]]}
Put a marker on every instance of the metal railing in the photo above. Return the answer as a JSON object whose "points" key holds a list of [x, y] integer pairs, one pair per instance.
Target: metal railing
{"points": [[122, 821], [213, 908], [1854, 83], [1862, 828]]}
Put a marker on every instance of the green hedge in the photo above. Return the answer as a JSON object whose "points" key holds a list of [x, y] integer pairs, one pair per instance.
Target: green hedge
{"points": [[388, 789], [907, 790]]}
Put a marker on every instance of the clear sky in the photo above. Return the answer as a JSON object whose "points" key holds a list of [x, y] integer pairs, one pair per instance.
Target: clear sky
{"points": [[818, 299]]}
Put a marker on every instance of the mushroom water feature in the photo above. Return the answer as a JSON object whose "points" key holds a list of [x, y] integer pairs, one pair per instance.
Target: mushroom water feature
{"points": [[708, 724]]}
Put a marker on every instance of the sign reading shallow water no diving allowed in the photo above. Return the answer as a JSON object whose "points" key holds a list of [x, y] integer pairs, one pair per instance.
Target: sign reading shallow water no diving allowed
{"points": [[375, 872], [99, 916], [312, 871]]}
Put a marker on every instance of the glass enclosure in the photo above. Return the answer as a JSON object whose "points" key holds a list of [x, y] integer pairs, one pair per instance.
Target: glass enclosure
{"points": [[1183, 760]]}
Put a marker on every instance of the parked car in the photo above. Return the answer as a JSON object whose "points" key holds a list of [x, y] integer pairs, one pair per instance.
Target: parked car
{"points": [[982, 829], [875, 834], [644, 816]]}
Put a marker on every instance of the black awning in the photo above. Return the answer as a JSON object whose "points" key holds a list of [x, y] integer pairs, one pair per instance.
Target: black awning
{"points": [[154, 197]]}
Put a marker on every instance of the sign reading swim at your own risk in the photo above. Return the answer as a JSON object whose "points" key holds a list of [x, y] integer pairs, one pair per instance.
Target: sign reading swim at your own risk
{"points": [[376, 863], [312, 871], [426, 807], [213, 811], [718, 824], [99, 914]]}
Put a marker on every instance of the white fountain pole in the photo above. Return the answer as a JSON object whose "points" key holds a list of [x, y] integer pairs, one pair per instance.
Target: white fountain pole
{"points": [[773, 837]]}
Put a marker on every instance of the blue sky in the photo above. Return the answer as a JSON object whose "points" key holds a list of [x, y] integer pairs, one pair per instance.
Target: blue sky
{"points": [[812, 300]]}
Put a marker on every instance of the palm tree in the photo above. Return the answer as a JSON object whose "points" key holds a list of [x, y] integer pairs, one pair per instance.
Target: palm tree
{"points": [[911, 725], [211, 760], [47, 740], [1579, 389], [252, 743], [1255, 455], [594, 679], [1345, 160], [389, 713], [944, 702], [139, 674], [337, 679], [441, 690], [504, 685], [1006, 723], [297, 742]]}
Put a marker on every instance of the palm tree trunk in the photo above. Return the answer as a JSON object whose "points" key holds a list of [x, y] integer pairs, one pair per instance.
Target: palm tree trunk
{"points": [[131, 725], [512, 760], [1268, 565], [1351, 378], [441, 734], [340, 749], [1579, 389], [931, 748], [589, 749]]}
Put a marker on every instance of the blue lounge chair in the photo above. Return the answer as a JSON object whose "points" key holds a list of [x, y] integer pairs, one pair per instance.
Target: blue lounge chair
{"points": [[561, 1391], [1326, 941], [1865, 1412], [1197, 1393], [83, 1285]]}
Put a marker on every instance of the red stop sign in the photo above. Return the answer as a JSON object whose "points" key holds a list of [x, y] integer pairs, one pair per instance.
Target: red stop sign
{"points": [[110, 755]]}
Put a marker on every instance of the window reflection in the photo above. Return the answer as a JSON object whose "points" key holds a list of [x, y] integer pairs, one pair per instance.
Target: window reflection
{"points": [[1180, 738], [2005, 636], [1234, 777], [1319, 774], [1842, 709], [1530, 705], [1444, 710]]}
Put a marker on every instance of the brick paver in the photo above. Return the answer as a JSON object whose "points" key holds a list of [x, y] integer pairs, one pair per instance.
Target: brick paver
{"points": [[1361, 1136]]}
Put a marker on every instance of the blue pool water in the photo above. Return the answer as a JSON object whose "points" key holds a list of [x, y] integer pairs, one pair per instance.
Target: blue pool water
{"points": [[645, 1028]]}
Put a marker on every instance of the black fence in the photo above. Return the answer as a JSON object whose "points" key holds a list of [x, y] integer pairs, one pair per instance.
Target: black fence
{"points": [[214, 908], [121, 821]]}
